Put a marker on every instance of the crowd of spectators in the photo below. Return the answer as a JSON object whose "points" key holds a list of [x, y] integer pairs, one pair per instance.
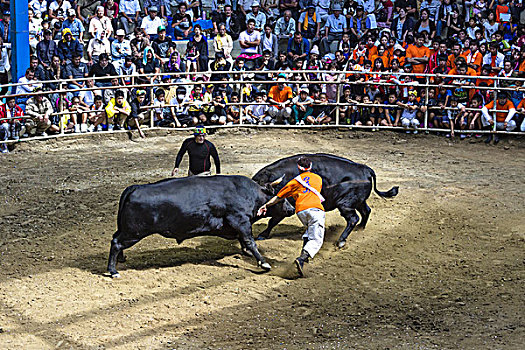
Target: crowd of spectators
{"points": [[382, 41]]}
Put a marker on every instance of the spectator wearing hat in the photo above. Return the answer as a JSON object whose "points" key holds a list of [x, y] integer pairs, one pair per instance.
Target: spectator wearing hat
{"points": [[334, 28], [103, 69], [120, 48], [46, 49], [98, 46], [74, 24], [118, 111], [158, 5], [151, 23], [68, 47], [280, 96], [100, 23], [309, 23], [359, 24], [148, 65], [139, 115], [258, 16], [39, 109], [5, 28], [182, 22], [180, 108], [163, 46], [129, 12]]}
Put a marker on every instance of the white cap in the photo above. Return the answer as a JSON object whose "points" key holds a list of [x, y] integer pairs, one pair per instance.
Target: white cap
{"points": [[314, 50], [121, 32], [255, 3], [398, 47]]}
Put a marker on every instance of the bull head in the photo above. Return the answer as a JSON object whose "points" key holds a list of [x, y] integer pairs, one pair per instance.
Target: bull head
{"points": [[277, 182], [269, 187]]}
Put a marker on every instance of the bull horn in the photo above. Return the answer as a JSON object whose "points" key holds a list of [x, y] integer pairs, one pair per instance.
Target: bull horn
{"points": [[278, 181]]}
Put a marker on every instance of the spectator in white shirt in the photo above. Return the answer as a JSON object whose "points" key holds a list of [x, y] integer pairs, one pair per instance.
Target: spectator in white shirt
{"points": [[151, 23]]}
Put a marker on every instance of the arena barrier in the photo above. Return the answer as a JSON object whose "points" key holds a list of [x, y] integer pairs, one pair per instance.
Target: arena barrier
{"points": [[340, 82]]}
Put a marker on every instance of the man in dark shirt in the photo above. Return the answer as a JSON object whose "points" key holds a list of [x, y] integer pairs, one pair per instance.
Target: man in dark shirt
{"points": [[46, 49], [75, 70], [163, 46], [103, 69], [199, 149]]}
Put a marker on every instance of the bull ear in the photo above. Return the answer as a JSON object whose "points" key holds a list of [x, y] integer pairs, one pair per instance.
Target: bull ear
{"points": [[277, 182]]}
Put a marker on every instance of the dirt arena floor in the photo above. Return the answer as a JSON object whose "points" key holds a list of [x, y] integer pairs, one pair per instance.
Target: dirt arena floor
{"points": [[441, 266]]}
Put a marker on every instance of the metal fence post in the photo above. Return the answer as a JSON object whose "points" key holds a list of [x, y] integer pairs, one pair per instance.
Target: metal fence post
{"points": [[241, 109], [338, 100], [495, 96], [151, 111], [60, 109], [426, 104]]}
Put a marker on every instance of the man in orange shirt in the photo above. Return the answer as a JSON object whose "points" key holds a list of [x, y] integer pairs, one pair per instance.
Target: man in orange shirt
{"points": [[281, 96], [503, 119], [418, 54], [306, 190], [456, 52]]}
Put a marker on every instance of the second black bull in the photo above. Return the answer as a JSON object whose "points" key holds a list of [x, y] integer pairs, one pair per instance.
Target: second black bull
{"points": [[333, 170]]}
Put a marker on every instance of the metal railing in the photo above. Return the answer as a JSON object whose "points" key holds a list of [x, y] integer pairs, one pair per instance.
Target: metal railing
{"points": [[342, 79]]}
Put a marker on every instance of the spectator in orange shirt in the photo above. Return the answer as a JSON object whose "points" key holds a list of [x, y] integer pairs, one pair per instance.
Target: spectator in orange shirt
{"points": [[281, 96], [418, 54], [456, 52], [382, 54], [306, 190], [503, 119], [473, 57]]}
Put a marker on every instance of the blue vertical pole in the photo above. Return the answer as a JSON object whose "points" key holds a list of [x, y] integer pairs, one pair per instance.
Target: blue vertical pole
{"points": [[19, 38]]}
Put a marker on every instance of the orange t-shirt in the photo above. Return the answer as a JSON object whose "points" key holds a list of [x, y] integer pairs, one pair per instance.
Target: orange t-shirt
{"points": [[499, 10], [371, 51], [500, 116], [280, 95], [521, 104], [304, 198], [413, 52], [384, 58]]}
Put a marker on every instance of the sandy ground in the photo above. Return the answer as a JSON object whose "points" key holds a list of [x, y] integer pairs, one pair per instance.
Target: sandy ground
{"points": [[441, 266]]}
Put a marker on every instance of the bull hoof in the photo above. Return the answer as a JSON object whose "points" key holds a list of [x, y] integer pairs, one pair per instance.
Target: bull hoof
{"points": [[246, 252], [115, 275], [121, 259], [265, 266], [341, 244]]}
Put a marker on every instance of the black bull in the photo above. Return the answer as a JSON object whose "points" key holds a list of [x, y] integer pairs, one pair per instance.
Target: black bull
{"points": [[223, 206], [333, 170]]}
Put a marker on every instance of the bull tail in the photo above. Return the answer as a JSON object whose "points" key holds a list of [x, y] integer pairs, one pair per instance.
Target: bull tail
{"points": [[388, 194], [123, 198]]}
